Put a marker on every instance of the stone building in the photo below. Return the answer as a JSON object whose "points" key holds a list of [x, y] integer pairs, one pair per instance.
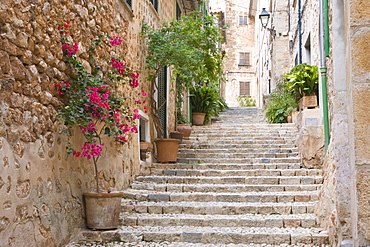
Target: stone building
{"points": [[239, 49], [40, 186], [334, 36]]}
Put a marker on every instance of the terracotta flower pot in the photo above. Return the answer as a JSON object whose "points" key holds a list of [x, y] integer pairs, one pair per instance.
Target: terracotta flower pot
{"points": [[198, 118], [184, 128], [167, 150], [102, 209], [176, 135]]}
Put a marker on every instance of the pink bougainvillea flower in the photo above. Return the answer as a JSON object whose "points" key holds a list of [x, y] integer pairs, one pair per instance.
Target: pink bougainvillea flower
{"points": [[115, 40]]}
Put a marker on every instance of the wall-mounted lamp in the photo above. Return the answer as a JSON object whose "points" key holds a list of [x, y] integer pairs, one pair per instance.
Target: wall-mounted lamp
{"points": [[264, 17]]}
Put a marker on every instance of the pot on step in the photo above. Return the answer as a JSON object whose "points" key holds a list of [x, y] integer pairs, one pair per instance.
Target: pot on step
{"points": [[102, 210]]}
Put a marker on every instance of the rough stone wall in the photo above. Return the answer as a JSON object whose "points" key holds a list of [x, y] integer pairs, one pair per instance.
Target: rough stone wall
{"points": [[239, 38], [357, 20], [40, 187]]}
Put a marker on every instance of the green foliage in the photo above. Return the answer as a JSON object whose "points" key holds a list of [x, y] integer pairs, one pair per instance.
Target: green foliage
{"points": [[303, 80], [281, 104], [246, 101], [206, 99], [189, 45]]}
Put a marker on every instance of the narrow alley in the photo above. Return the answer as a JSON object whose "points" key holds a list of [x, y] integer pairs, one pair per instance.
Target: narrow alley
{"points": [[238, 182]]}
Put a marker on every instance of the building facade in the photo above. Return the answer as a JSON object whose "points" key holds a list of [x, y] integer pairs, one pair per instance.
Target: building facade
{"points": [[40, 186], [333, 35], [239, 50]]}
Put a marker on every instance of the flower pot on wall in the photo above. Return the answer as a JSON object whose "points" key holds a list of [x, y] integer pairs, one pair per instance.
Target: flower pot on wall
{"points": [[184, 128], [198, 118], [102, 210], [307, 102], [167, 150]]}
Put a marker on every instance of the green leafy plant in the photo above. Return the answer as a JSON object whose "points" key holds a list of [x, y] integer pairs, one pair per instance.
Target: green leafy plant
{"points": [[302, 80], [246, 101], [206, 99], [281, 104], [189, 46], [92, 100]]}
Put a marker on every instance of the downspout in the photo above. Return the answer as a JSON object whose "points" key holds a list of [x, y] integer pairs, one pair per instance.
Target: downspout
{"points": [[324, 52], [299, 32]]}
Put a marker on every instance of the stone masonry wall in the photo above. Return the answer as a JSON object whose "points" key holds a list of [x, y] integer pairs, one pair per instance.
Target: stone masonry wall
{"points": [[40, 187], [358, 87]]}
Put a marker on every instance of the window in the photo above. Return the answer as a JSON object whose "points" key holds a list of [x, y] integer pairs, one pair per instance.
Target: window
{"points": [[129, 3], [244, 88], [178, 11], [244, 58], [155, 4], [243, 20]]}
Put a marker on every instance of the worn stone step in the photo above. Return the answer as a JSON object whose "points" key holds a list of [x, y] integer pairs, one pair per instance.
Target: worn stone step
{"points": [[184, 154], [230, 166], [222, 188], [247, 220], [234, 172], [242, 141], [238, 149], [285, 180], [203, 146], [213, 235], [141, 205], [239, 160], [265, 196], [114, 243]]}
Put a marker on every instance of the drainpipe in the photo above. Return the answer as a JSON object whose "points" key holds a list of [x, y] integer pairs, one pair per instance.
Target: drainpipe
{"points": [[324, 52], [299, 31]]}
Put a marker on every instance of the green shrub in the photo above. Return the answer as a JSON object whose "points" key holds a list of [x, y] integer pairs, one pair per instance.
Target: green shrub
{"points": [[206, 99], [281, 104], [246, 101]]}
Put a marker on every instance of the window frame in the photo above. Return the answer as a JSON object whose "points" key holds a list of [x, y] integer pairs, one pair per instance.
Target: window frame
{"points": [[244, 88], [244, 59]]}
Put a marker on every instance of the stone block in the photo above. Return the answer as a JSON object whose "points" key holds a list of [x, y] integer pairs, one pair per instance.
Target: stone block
{"points": [[141, 209], [270, 222], [130, 221], [173, 209], [301, 238], [302, 198], [292, 222], [130, 236], [109, 235], [192, 237], [155, 209], [158, 197]]}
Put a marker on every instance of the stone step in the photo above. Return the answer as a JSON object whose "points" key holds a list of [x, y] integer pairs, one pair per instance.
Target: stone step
{"points": [[229, 166], [201, 155], [239, 160], [273, 180], [241, 141], [249, 172], [113, 243], [212, 235], [266, 196], [140, 205], [239, 149], [222, 188], [232, 146], [247, 220]]}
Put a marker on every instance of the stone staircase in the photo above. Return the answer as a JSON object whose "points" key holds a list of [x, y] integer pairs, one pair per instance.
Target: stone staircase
{"points": [[238, 182]]}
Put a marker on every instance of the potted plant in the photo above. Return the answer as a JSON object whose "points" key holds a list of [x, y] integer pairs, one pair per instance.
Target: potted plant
{"points": [[303, 80], [93, 105], [206, 102]]}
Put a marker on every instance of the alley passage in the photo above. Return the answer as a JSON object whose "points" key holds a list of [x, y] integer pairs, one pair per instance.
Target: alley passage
{"points": [[238, 182]]}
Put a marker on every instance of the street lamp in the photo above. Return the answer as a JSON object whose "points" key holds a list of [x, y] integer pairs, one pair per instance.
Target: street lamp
{"points": [[264, 17]]}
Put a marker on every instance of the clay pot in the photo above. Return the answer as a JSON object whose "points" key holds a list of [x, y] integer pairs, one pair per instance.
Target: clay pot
{"points": [[198, 118], [176, 135], [184, 128], [102, 210], [167, 150]]}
